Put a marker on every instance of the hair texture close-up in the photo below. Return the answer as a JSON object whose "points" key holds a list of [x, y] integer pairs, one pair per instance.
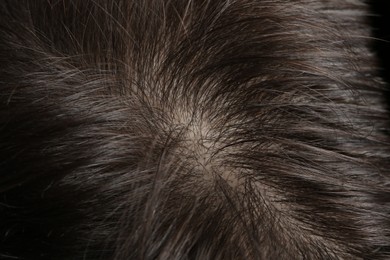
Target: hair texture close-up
{"points": [[192, 129]]}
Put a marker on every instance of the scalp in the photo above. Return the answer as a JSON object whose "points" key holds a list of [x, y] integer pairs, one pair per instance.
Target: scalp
{"points": [[191, 130]]}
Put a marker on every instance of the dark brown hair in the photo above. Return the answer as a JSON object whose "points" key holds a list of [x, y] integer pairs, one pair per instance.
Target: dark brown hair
{"points": [[191, 129]]}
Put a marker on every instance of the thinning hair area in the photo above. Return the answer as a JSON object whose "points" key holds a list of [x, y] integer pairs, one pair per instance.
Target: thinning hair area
{"points": [[192, 129]]}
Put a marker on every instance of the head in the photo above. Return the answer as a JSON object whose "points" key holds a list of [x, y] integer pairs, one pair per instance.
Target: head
{"points": [[191, 129]]}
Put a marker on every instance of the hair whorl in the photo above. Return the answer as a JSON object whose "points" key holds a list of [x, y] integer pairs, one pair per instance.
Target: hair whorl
{"points": [[191, 129]]}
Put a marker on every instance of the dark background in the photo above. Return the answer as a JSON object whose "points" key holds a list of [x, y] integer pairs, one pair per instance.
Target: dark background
{"points": [[380, 21]]}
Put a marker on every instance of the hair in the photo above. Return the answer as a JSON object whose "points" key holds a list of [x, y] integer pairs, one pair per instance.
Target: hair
{"points": [[191, 129]]}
